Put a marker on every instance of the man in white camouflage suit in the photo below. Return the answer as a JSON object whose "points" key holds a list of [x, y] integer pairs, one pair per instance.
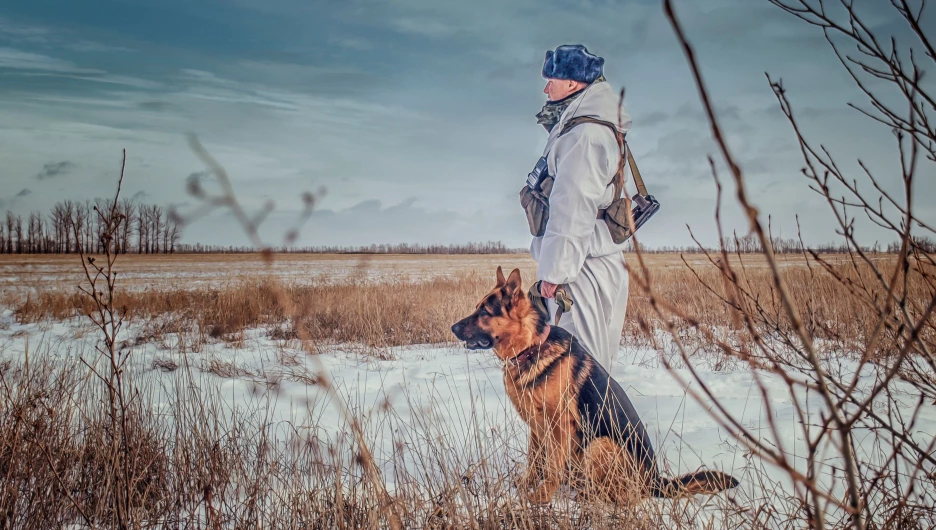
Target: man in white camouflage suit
{"points": [[577, 251]]}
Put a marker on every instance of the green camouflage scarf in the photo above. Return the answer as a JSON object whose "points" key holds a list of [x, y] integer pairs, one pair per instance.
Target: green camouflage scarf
{"points": [[548, 117]]}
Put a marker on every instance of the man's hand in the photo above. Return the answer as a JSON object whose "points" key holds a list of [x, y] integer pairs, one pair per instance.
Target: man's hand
{"points": [[547, 290]]}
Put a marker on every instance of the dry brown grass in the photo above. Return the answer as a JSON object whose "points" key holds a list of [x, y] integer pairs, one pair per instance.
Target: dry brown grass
{"points": [[833, 302], [197, 465], [55, 450], [165, 365], [398, 311]]}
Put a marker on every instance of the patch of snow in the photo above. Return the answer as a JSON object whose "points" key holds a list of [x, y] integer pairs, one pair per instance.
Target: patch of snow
{"points": [[453, 392]]}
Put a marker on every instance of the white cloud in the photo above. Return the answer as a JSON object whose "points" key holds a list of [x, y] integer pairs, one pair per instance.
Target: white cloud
{"points": [[352, 43], [200, 75], [21, 60], [24, 33], [30, 34], [94, 76]]}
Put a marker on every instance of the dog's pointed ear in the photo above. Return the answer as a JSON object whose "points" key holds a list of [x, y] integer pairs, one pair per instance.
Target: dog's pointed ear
{"points": [[500, 278], [513, 282]]}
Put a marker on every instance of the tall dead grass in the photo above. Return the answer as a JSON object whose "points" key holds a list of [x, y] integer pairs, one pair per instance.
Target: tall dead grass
{"points": [[198, 464], [392, 314], [346, 312], [55, 450]]}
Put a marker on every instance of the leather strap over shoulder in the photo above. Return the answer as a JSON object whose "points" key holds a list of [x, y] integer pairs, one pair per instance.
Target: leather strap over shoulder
{"points": [[618, 180]]}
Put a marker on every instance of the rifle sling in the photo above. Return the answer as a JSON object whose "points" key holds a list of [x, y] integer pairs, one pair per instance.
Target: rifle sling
{"points": [[618, 179]]}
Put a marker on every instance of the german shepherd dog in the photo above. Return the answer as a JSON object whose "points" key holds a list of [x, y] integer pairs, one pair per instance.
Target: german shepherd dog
{"points": [[583, 429]]}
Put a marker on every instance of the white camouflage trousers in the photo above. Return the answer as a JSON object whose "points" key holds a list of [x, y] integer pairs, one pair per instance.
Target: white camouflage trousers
{"points": [[599, 293]]}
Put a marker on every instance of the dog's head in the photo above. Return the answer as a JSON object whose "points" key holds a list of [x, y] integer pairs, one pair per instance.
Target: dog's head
{"points": [[504, 320]]}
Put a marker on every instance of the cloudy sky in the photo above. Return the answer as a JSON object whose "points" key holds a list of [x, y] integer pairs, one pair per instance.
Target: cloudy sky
{"points": [[415, 116]]}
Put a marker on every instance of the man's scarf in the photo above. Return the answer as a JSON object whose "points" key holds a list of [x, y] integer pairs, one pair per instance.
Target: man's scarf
{"points": [[548, 117]]}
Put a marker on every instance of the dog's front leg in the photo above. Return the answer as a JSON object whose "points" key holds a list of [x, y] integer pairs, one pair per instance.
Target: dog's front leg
{"points": [[535, 461], [557, 449]]}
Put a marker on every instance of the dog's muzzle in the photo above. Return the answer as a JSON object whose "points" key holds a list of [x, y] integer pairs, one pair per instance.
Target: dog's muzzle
{"points": [[480, 341]]}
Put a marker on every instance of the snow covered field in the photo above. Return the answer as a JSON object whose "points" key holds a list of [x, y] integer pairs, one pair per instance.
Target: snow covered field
{"points": [[445, 382], [192, 271], [412, 397]]}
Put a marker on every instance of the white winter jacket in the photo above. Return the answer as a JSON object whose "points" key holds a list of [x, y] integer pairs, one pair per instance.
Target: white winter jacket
{"points": [[583, 162]]}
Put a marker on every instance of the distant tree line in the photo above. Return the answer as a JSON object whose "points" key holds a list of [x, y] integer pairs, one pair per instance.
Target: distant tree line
{"points": [[750, 244], [744, 245], [491, 247], [149, 229], [146, 229]]}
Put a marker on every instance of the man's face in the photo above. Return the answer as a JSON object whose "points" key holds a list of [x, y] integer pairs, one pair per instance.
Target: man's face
{"points": [[557, 89]]}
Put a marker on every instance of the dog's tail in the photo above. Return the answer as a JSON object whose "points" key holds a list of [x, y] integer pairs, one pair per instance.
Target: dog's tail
{"points": [[705, 482]]}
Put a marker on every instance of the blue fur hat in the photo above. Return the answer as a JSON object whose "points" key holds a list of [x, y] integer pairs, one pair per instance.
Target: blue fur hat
{"points": [[574, 62]]}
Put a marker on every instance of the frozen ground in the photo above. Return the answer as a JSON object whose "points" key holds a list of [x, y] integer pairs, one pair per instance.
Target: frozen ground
{"points": [[451, 392], [193, 271]]}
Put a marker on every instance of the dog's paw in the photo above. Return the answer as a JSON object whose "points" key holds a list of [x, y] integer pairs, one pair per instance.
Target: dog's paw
{"points": [[543, 494], [527, 481]]}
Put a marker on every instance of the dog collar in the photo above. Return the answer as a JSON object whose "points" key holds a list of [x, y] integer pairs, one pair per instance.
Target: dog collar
{"points": [[525, 355]]}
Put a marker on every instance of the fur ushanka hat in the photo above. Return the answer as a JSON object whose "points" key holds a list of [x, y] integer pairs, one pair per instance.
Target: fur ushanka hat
{"points": [[573, 61]]}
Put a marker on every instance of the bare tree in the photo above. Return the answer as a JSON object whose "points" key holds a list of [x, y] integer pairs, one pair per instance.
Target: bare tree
{"points": [[890, 483], [18, 227], [55, 219], [35, 233], [121, 408], [83, 225], [156, 228], [128, 209], [40, 234], [166, 233], [89, 223], [100, 224], [142, 225], [31, 233], [68, 225], [77, 226], [174, 234], [10, 226], [68, 210]]}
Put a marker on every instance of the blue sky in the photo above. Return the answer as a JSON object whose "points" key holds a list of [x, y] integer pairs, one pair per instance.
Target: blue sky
{"points": [[417, 117]]}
